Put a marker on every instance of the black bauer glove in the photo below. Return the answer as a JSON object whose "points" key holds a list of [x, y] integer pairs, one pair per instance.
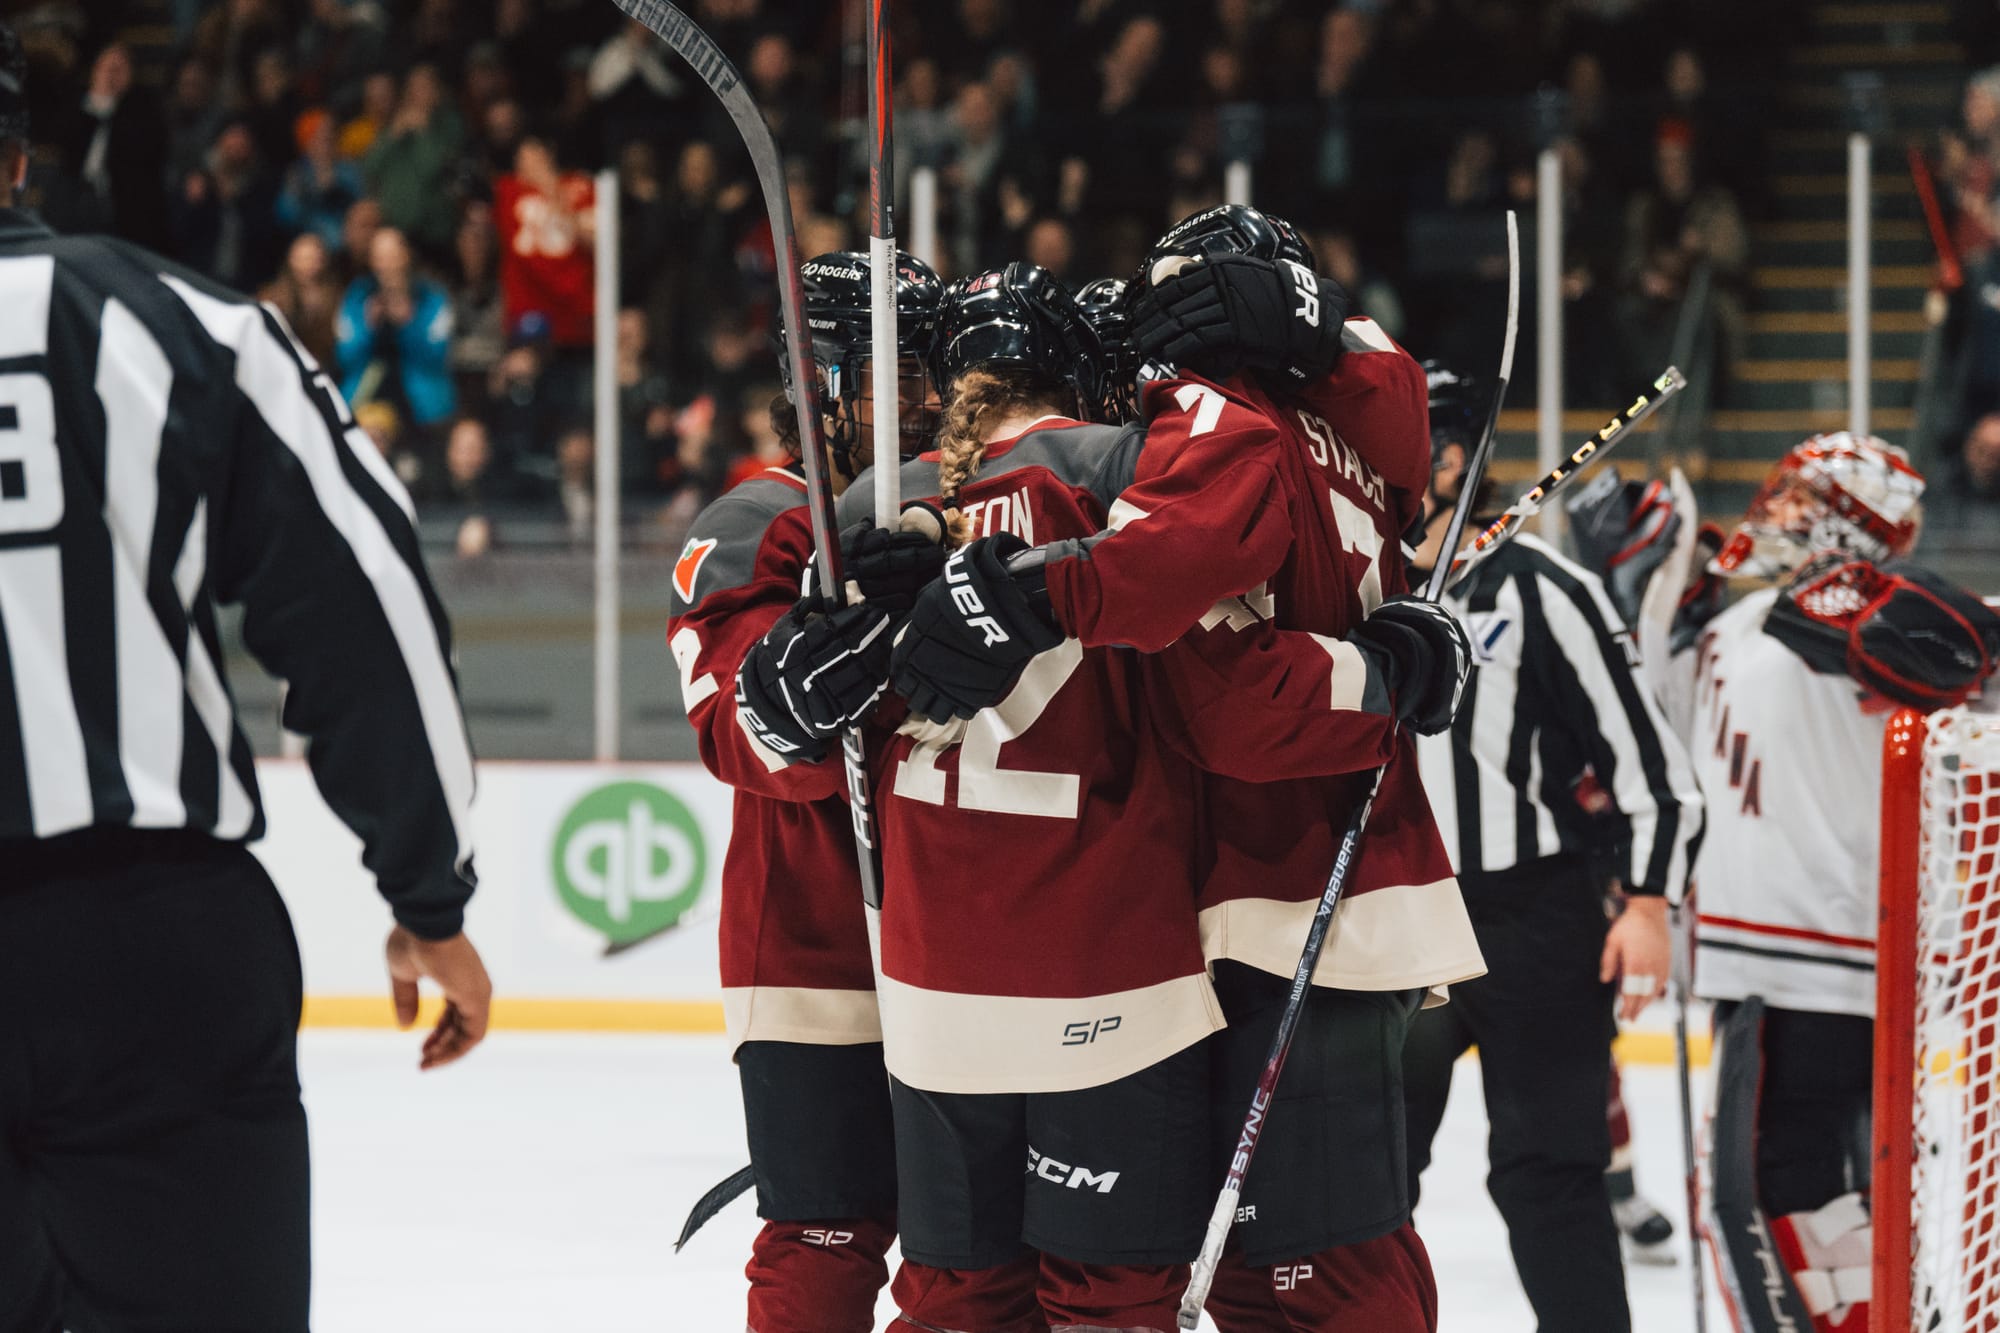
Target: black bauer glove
{"points": [[816, 672], [1424, 654], [889, 568], [972, 632], [1225, 313]]}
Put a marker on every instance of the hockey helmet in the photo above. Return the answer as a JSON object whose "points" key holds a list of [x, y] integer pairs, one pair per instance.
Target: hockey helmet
{"points": [[1103, 304], [838, 316], [1020, 315], [1458, 407], [1837, 492], [1226, 229]]}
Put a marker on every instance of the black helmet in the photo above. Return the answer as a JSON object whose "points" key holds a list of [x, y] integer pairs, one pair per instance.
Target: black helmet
{"points": [[1020, 315], [1226, 229], [1458, 404], [838, 322], [1103, 304]]}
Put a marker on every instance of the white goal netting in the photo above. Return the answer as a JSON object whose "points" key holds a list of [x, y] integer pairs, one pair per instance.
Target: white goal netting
{"points": [[1955, 1170]]}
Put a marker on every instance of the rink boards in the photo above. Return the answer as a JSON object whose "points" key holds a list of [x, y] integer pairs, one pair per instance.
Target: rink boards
{"points": [[597, 901]]}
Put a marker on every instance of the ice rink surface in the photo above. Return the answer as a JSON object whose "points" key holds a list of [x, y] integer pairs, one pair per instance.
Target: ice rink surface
{"points": [[538, 1188]]}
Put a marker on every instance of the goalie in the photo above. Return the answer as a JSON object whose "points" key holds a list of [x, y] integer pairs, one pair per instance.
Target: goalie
{"points": [[1794, 684]]}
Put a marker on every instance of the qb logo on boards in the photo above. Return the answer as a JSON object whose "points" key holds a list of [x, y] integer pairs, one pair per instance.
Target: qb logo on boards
{"points": [[629, 861]]}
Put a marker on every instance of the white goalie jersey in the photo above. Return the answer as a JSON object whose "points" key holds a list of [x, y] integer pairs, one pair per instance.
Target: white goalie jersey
{"points": [[1792, 770]]}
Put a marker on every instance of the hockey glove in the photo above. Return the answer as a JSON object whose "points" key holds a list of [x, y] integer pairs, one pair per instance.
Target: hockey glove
{"points": [[888, 569], [814, 674], [1424, 654], [1702, 600], [1228, 313], [971, 632]]}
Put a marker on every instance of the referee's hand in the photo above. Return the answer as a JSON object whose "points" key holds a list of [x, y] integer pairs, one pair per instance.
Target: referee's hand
{"points": [[1637, 954], [468, 993]]}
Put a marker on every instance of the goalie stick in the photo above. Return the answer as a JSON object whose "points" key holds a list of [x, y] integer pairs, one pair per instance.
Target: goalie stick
{"points": [[696, 47], [1201, 1275]]}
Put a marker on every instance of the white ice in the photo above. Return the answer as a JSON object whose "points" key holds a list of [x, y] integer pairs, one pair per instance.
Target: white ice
{"points": [[538, 1187]]}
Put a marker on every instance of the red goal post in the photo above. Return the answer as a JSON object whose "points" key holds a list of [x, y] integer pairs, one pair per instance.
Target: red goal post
{"points": [[1936, 1169]]}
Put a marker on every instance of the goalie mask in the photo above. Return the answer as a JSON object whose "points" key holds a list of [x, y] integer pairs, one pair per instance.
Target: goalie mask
{"points": [[1834, 492], [1103, 304], [838, 322], [1021, 315]]}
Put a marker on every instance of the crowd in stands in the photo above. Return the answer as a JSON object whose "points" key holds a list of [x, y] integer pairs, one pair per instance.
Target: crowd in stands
{"points": [[1964, 377], [410, 182]]}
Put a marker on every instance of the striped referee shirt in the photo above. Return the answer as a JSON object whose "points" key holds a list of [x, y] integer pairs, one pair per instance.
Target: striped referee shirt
{"points": [[1558, 747], [164, 445]]}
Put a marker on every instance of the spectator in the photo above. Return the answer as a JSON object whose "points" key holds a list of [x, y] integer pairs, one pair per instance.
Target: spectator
{"points": [[1963, 498], [378, 108], [1340, 259], [228, 41], [700, 222], [307, 294], [193, 118], [576, 456], [1345, 38], [474, 478], [273, 112], [1049, 244], [1680, 223], [225, 221], [479, 319], [923, 126], [1971, 168], [500, 130], [784, 97], [988, 182], [394, 336], [383, 425], [410, 166], [634, 80], [319, 188], [117, 148], [482, 83], [338, 42], [547, 219], [645, 411], [528, 405], [357, 234]]}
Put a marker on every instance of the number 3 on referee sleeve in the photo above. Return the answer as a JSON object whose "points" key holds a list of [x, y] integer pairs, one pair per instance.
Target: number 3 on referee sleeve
{"points": [[31, 483]]}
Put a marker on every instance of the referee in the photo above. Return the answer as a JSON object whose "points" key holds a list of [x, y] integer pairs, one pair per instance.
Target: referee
{"points": [[165, 445], [1555, 743]]}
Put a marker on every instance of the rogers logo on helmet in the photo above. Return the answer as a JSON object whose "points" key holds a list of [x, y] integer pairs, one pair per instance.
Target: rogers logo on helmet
{"points": [[817, 270]]}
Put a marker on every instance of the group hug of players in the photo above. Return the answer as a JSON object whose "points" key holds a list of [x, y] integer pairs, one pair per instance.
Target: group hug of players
{"points": [[1125, 668]]}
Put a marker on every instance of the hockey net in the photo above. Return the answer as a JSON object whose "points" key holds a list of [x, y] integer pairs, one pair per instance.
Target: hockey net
{"points": [[1937, 1085]]}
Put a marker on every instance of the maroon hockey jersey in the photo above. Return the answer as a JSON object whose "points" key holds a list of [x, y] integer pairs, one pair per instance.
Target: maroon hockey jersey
{"points": [[1253, 534], [794, 933], [1039, 928]]}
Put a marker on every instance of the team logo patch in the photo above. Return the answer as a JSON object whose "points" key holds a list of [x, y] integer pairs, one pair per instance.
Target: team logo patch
{"points": [[688, 567]]}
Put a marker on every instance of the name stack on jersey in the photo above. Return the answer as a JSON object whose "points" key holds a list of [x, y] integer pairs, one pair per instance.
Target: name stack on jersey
{"points": [[1787, 874]]}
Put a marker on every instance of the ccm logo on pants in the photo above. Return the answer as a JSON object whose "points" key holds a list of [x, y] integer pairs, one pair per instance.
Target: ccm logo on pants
{"points": [[1074, 1177]]}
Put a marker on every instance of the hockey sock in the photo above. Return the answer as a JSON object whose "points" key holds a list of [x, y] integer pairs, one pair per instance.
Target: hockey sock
{"points": [[970, 1300], [818, 1277], [1384, 1285], [1110, 1298]]}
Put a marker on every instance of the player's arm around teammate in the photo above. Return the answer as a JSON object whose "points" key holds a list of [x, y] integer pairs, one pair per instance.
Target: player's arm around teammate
{"points": [[770, 677]]}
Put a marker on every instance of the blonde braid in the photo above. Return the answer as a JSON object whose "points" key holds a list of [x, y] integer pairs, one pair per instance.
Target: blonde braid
{"points": [[980, 398]]}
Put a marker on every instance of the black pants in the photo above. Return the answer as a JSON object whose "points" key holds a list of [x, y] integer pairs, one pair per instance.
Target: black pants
{"points": [[822, 1137], [1543, 1024], [1814, 1106], [153, 1163]]}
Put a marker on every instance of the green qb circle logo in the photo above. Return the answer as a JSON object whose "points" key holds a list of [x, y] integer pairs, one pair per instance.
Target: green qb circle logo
{"points": [[629, 860]]}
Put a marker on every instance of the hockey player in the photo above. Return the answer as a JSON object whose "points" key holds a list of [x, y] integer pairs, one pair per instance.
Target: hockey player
{"points": [[798, 986], [1793, 686], [1555, 707], [1103, 304], [1044, 999], [1249, 506]]}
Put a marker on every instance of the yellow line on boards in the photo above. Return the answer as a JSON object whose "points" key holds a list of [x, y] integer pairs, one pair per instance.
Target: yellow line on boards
{"points": [[705, 1016], [512, 1014]]}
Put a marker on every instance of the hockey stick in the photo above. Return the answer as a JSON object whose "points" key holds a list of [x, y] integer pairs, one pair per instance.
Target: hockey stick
{"points": [[886, 358], [679, 31], [713, 1202], [1670, 382], [1682, 972], [1201, 1275]]}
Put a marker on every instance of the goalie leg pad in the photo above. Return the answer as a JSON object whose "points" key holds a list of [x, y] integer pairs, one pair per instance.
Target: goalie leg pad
{"points": [[1830, 1253], [1756, 1277]]}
